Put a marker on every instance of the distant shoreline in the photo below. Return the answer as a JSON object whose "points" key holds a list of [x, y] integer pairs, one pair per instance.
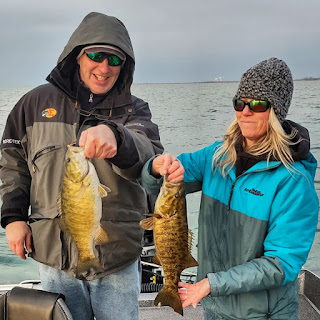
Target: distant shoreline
{"points": [[2, 86], [307, 79], [231, 81], [221, 81]]}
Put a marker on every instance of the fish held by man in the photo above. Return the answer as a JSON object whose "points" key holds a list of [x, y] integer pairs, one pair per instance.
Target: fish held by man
{"points": [[172, 241], [80, 207]]}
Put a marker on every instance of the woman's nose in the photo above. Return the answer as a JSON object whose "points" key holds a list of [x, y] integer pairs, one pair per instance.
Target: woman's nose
{"points": [[246, 111]]}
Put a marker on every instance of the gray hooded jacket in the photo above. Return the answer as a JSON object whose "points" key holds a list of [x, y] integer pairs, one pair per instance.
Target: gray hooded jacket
{"points": [[33, 147]]}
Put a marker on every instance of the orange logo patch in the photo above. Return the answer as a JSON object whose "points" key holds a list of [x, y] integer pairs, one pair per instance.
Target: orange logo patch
{"points": [[49, 113]]}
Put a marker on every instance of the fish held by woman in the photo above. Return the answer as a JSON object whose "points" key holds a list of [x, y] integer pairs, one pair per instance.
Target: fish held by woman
{"points": [[80, 207], [172, 241]]}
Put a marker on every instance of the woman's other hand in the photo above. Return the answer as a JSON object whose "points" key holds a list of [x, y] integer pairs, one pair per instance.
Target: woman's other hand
{"points": [[193, 293]]}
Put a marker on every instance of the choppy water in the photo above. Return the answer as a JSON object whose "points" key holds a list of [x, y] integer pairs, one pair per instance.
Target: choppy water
{"points": [[190, 116]]}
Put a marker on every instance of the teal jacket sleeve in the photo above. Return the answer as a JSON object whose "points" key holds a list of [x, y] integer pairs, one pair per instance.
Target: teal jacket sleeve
{"points": [[293, 222], [195, 164]]}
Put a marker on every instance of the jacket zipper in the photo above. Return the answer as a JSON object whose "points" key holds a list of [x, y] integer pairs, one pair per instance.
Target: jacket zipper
{"points": [[269, 313], [231, 192], [232, 187]]}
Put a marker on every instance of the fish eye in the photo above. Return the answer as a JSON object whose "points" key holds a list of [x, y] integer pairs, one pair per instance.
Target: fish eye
{"points": [[68, 160]]}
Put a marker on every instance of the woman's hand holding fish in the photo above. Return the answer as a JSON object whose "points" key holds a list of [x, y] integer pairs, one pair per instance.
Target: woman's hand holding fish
{"points": [[192, 293], [168, 164], [98, 142], [18, 235]]}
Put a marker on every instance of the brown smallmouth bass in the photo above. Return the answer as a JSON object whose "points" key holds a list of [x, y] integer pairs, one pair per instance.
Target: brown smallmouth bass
{"points": [[80, 207], [172, 241]]}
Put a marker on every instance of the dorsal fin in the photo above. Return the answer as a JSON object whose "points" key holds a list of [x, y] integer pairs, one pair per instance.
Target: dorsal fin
{"points": [[190, 240]]}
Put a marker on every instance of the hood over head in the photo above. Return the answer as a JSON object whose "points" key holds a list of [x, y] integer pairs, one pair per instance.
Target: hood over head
{"points": [[96, 28], [301, 147], [301, 150]]}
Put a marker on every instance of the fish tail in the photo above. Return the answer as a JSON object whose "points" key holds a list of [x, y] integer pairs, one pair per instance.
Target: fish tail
{"points": [[86, 265], [167, 297]]}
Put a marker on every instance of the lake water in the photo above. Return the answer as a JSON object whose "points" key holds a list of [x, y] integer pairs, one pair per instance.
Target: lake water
{"points": [[190, 116]]}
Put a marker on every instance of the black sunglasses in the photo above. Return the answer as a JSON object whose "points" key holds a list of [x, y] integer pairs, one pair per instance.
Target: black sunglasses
{"points": [[113, 60], [254, 105]]}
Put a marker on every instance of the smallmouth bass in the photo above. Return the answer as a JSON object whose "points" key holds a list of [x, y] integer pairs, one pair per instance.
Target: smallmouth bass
{"points": [[80, 207], [172, 241]]}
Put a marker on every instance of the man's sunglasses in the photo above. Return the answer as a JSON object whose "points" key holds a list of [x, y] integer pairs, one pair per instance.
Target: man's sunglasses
{"points": [[113, 60], [254, 105]]}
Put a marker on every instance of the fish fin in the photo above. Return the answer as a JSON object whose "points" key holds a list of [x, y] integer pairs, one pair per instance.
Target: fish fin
{"points": [[190, 240], [101, 237], [147, 224], [59, 204], [82, 191], [169, 298], [86, 181], [156, 260], [62, 224], [190, 262], [103, 190], [84, 266]]}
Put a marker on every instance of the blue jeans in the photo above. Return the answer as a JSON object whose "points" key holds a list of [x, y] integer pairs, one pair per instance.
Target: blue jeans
{"points": [[114, 296]]}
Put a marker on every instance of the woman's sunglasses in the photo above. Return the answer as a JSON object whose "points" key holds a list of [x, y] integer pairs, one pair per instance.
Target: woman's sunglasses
{"points": [[254, 105], [113, 60]]}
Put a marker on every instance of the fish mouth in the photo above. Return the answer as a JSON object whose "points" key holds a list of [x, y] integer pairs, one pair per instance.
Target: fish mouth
{"points": [[170, 184], [74, 148]]}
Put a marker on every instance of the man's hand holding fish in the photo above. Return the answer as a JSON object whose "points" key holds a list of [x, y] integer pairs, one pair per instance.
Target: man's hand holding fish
{"points": [[98, 142]]}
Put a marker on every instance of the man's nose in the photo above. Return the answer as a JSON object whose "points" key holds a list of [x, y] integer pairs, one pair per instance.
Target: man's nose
{"points": [[104, 66]]}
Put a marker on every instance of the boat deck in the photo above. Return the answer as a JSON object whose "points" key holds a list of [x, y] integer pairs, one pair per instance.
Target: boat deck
{"points": [[149, 311], [307, 310], [309, 299]]}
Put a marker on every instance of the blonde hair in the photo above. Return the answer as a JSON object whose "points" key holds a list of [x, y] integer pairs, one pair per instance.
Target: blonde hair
{"points": [[275, 145]]}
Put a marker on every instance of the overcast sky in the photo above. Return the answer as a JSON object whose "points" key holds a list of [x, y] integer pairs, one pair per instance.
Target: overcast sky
{"points": [[173, 40]]}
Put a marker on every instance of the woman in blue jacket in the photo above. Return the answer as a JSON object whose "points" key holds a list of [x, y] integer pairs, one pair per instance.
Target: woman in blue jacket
{"points": [[259, 208]]}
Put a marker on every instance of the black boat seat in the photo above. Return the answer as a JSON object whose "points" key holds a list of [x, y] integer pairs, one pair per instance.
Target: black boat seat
{"points": [[31, 304]]}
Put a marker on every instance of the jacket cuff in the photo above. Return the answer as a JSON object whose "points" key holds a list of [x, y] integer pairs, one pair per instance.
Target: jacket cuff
{"points": [[115, 132], [7, 220], [149, 182]]}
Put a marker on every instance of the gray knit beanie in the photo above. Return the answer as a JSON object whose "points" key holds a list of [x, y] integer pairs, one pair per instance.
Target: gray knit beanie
{"points": [[269, 80]]}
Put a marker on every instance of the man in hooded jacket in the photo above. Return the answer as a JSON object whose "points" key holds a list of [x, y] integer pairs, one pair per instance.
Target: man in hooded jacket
{"points": [[87, 100]]}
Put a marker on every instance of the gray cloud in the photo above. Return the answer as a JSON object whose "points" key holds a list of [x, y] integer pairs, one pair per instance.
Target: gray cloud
{"points": [[177, 40]]}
